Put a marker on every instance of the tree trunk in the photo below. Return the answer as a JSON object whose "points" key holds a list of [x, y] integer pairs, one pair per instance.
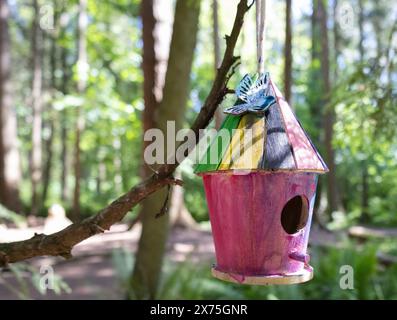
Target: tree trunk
{"points": [[101, 176], [364, 169], [10, 171], [288, 52], [156, 18], [364, 194], [390, 55], [361, 29], [217, 55], [154, 66], [117, 164], [36, 155], [329, 117], [179, 214], [377, 17], [48, 166], [317, 205], [155, 52], [337, 39], [315, 88], [64, 131], [149, 258], [51, 126], [149, 72], [314, 101], [82, 69]]}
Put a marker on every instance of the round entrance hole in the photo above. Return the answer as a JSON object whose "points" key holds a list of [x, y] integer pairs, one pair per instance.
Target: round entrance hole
{"points": [[295, 214]]}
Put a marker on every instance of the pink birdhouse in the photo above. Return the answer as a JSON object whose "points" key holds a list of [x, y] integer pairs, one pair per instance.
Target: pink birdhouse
{"points": [[261, 189]]}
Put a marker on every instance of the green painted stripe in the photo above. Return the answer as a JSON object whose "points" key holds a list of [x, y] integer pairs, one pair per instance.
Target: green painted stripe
{"points": [[230, 123]]}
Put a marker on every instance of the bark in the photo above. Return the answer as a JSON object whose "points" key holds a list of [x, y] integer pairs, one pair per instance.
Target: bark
{"points": [[82, 65], [377, 19], [390, 56], [49, 147], [10, 175], [314, 28], [179, 214], [157, 30], [51, 126], [155, 52], [149, 73], [64, 131], [364, 194], [217, 47], [364, 169], [361, 29], [337, 40], [147, 270], [317, 205], [314, 103], [156, 42], [156, 21], [117, 164], [36, 154], [288, 52], [62, 242], [219, 116], [315, 74], [101, 176], [329, 116]]}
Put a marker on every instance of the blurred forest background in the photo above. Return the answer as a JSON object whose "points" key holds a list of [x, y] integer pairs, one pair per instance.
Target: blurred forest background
{"points": [[81, 80]]}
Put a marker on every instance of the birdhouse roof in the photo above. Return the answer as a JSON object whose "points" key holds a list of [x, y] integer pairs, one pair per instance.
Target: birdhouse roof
{"points": [[276, 142]]}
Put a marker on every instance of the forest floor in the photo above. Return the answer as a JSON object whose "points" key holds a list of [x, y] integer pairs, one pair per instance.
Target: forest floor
{"points": [[91, 273]]}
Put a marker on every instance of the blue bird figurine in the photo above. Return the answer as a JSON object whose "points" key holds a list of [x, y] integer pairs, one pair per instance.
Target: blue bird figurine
{"points": [[255, 95]]}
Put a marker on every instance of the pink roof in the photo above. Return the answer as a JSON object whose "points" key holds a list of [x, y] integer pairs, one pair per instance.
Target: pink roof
{"points": [[305, 153]]}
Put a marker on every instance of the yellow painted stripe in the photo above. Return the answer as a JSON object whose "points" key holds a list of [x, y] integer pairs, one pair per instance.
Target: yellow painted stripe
{"points": [[247, 145]]}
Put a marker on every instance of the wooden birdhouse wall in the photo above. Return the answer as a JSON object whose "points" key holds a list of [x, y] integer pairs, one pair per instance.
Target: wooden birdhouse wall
{"points": [[247, 226]]}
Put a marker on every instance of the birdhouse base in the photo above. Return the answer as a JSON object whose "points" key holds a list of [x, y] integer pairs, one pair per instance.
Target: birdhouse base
{"points": [[299, 277]]}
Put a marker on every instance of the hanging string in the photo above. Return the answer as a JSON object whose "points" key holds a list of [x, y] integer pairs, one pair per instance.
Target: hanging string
{"points": [[260, 33]]}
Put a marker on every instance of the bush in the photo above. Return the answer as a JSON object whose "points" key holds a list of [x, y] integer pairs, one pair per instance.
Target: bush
{"points": [[371, 280]]}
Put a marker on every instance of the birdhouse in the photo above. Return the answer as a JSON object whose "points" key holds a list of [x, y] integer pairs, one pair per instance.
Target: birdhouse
{"points": [[261, 189]]}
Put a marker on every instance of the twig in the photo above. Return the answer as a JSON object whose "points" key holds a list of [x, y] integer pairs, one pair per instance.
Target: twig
{"points": [[164, 208], [230, 91]]}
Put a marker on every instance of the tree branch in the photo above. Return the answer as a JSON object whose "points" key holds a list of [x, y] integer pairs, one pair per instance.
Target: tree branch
{"points": [[62, 242]]}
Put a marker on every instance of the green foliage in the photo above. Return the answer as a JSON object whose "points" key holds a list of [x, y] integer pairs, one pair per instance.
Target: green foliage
{"points": [[194, 194], [365, 135], [371, 280], [123, 262], [10, 216], [27, 277], [111, 105]]}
